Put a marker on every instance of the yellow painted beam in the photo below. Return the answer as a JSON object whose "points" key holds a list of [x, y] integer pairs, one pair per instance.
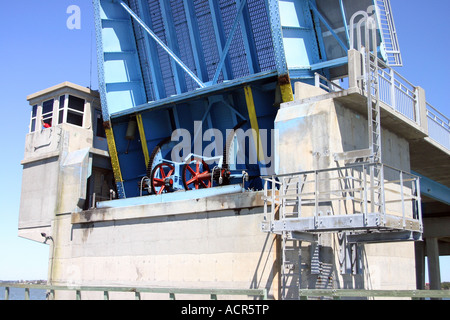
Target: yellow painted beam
{"points": [[113, 155], [143, 139], [284, 82], [287, 93], [254, 122]]}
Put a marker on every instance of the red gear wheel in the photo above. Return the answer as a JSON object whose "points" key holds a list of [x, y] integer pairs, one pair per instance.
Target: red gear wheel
{"points": [[160, 178], [196, 175]]}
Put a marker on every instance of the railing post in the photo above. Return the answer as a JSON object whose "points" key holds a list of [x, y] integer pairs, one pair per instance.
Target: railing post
{"points": [[272, 216], [421, 109], [403, 199], [6, 293], [265, 199], [27, 293], [365, 194], [392, 86], [316, 199], [317, 80], [419, 203], [264, 294]]}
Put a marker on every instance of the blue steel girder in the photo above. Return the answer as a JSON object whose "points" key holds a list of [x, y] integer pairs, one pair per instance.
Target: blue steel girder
{"points": [[433, 189], [277, 37]]}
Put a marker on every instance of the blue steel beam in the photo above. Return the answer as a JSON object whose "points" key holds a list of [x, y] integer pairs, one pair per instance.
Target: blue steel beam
{"points": [[344, 18], [203, 92], [277, 37], [163, 45], [322, 47], [100, 61], [433, 189]]}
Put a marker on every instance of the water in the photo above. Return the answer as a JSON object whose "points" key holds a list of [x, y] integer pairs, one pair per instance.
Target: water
{"points": [[19, 294]]}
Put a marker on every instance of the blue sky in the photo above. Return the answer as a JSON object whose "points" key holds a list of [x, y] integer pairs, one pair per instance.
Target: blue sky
{"points": [[39, 51]]}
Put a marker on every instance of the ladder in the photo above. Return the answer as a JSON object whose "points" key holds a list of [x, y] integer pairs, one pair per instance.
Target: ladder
{"points": [[372, 88], [290, 267]]}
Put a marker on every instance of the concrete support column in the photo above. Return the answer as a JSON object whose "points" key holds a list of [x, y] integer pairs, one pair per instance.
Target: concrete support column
{"points": [[434, 272], [421, 110], [420, 264]]}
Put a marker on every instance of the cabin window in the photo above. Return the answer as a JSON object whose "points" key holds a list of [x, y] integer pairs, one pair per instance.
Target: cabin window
{"points": [[33, 118], [47, 111], [75, 111]]}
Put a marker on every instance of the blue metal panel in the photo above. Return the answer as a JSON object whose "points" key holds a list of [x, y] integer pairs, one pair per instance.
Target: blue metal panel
{"points": [[120, 75], [151, 68], [298, 34], [196, 45]]}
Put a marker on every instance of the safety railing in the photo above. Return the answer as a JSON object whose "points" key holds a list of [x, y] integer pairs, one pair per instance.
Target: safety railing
{"points": [[438, 126], [343, 198], [392, 294], [323, 83], [402, 96], [138, 291], [397, 92]]}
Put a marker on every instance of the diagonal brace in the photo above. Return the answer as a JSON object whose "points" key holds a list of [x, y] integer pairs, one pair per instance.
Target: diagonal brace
{"points": [[228, 43], [325, 22], [162, 44]]}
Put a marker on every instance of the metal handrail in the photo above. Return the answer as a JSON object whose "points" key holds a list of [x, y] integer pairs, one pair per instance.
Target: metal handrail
{"points": [[438, 126], [396, 91], [303, 293], [392, 202], [213, 293], [350, 293], [329, 86]]}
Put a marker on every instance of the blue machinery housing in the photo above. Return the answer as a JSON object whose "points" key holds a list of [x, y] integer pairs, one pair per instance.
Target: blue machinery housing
{"points": [[224, 64]]}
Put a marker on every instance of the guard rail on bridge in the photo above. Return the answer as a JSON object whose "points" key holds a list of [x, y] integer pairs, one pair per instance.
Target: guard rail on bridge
{"points": [[171, 292], [399, 95]]}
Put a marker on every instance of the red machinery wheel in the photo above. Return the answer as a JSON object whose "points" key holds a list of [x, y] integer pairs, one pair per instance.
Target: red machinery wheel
{"points": [[196, 175], [161, 180]]}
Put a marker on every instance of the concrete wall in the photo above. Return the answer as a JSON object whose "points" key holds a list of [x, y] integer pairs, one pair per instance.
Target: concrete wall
{"points": [[218, 248], [57, 163]]}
